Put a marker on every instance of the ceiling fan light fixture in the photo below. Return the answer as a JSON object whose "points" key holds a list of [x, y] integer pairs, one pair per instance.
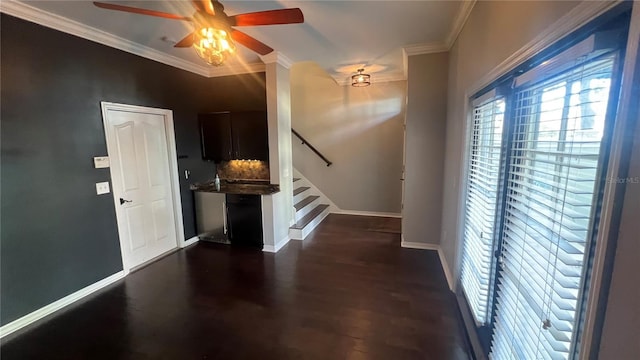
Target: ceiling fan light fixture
{"points": [[360, 79], [213, 45], [211, 38]]}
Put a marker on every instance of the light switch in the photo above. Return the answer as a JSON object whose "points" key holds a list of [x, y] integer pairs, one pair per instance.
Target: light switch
{"points": [[102, 188], [100, 162]]}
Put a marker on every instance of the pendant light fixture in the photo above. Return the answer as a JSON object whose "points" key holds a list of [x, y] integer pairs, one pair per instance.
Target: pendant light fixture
{"points": [[360, 79]]}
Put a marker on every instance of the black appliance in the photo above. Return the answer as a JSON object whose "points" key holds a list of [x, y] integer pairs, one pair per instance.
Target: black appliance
{"points": [[244, 217]]}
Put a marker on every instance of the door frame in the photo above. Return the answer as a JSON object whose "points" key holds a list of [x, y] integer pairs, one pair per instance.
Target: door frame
{"points": [[173, 170]]}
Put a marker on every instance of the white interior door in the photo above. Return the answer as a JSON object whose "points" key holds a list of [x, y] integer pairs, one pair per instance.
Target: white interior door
{"points": [[143, 187]]}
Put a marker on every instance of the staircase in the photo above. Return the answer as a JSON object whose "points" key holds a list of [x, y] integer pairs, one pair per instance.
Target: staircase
{"points": [[309, 210]]}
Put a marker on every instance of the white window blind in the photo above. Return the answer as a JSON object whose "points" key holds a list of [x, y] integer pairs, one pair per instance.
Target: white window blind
{"points": [[483, 170], [551, 181]]}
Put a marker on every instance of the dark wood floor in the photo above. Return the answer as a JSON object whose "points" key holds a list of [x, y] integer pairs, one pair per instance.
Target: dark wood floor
{"points": [[347, 292]]}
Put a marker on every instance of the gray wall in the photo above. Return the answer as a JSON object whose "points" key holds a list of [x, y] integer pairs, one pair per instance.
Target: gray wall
{"points": [[424, 148], [57, 235], [358, 129]]}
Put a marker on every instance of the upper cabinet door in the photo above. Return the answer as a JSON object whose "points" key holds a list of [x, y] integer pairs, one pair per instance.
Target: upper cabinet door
{"points": [[250, 135], [215, 132]]}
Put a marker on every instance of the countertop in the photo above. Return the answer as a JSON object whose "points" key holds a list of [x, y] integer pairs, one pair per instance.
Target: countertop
{"points": [[239, 188]]}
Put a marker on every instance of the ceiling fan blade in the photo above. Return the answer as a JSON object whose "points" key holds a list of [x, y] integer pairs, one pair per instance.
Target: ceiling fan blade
{"points": [[270, 17], [207, 5], [198, 5], [250, 42], [140, 11], [186, 42]]}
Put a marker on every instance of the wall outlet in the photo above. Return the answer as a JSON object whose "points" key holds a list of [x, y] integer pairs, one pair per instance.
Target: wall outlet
{"points": [[102, 188]]}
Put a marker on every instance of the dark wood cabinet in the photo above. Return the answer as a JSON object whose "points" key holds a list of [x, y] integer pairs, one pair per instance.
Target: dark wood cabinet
{"points": [[250, 135], [216, 136], [234, 135]]}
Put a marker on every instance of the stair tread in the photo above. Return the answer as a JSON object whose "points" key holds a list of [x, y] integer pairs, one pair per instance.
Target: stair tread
{"points": [[295, 179], [300, 189], [310, 216], [306, 201]]}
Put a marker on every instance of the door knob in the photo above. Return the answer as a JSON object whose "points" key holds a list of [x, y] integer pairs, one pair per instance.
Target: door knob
{"points": [[122, 201]]}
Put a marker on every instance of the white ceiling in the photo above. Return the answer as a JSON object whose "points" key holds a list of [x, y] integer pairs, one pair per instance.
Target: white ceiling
{"points": [[340, 36]]}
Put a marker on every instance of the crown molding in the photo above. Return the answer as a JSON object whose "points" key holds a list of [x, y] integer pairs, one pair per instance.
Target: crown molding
{"points": [[60, 23], [425, 48], [389, 77], [343, 81], [464, 10], [420, 49], [278, 58], [236, 69]]}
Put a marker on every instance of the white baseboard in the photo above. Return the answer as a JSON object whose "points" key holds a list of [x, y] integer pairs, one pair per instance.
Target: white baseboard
{"points": [[277, 247], [421, 246], [57, 305], [367, 213], [190, 242], [436, 247], [445, 267]]}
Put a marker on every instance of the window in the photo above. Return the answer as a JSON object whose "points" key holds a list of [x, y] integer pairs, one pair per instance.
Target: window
{"points": [[547, 217], [483, 172], [537, 145]]}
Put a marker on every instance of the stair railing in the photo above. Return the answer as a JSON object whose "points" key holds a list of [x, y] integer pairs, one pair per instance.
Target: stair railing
{"points": [[305, 142]]}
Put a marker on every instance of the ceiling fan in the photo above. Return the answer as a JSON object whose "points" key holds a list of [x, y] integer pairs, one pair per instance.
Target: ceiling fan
{"points": [[213, 37]]}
